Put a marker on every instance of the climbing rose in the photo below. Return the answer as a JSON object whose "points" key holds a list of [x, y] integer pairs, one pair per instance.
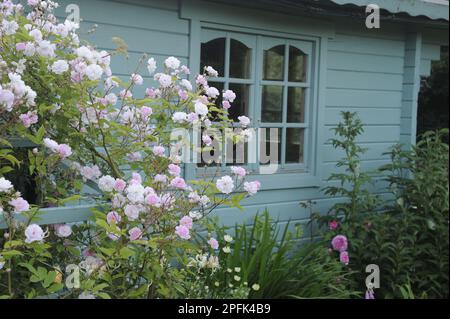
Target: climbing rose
{"points": [[238, 171], [106, 183], [63, 230], [33, 233], [132, 212], [339, 243], [186, 221], [225, 185], [113, 218], [5, 185], [64, 151], [172, 63], [174, 170], [60, 66], [179, 183], [244, 121], [229, 96], [19, 204], [252, 187], [182, 232], [135, 233]]}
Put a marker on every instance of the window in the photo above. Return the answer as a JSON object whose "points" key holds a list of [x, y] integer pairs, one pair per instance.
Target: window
{"points": [[272, 79]]}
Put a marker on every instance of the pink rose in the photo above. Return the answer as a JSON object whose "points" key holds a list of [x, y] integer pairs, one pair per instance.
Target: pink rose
{"points": [[182, 232], [226, 105], [120, 185], [339, 243], [152, 200], [186, 221], [113, 218], [64, 151], [159, 178], [159, 150], [174, 170], [179, 183], [135, 233], [19, 204], [344, 258], [333, 225], [21, 46], [213, 243]]}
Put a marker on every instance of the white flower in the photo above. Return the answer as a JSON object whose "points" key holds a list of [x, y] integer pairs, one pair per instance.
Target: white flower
{"points": [[256, 287], [151, 66], [36, 34], [164, 79], [179, 117], [136, 193], [211, 72], [195, 215], [225, 185], [186, 84], [51, 144], [137, 79], [229, 95], [106, 183], [212, 92], [201, 109], [172, 63], [84, 52], [9, 27], [94, 72], [226, 249], [85, 295], [228, 238], [5, 185], [46, 48], [33, 233], [63, 231], [244, 121], [60, 66]]}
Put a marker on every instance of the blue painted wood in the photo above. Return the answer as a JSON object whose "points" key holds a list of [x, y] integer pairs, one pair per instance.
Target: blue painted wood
{"points": [[372, 72]]}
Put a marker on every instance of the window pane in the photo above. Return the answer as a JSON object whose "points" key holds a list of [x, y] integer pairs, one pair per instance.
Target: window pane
{"points": [[213, 54], [294, 145], [270, 151], [296, 105], [274, 63], [297, 65], [236, 153], [240, 105], [272, 104], [240, 60]]}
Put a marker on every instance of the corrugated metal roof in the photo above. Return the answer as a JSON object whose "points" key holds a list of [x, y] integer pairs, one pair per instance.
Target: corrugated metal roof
{"points": [[433, 9]]}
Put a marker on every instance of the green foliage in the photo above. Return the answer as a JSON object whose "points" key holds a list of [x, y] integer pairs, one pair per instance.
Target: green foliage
{"points": [[273, 264], [409, 241]]}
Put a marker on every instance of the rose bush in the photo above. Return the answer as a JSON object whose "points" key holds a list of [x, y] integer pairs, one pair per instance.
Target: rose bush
{"points": [[88, 125]]}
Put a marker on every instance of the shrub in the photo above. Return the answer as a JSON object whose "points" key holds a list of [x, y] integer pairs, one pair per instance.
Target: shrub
{"points": [[63, 97], [409, 240]]}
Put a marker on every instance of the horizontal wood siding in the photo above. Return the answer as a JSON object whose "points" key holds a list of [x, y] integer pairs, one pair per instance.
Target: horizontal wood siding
{"points": [[367, 71]]}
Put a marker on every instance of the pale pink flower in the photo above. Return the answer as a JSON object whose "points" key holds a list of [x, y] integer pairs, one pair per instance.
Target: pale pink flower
{"points": [[252, 187], [182, 232], [34, 233], [135, 233], [207, 140], [152, 200], [186, 221], [119, 185], [159, 178], [238, 171], [229, 95], [244, 121], [19, 204], [213, 243], [64, 151], [225, 184], [226, 105], [132, 212], [63, 230], [174, 170], [339, 243], [159, 150], [113, 217], [179, 183]]}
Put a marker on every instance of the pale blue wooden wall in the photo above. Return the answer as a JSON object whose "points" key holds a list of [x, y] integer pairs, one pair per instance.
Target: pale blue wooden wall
{"points": [[366, 71]]}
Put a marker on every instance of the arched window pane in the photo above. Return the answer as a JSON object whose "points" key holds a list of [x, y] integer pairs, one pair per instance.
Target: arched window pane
{"points": [[274, 63], [297, 65], [213, 54], [240, 60]]}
